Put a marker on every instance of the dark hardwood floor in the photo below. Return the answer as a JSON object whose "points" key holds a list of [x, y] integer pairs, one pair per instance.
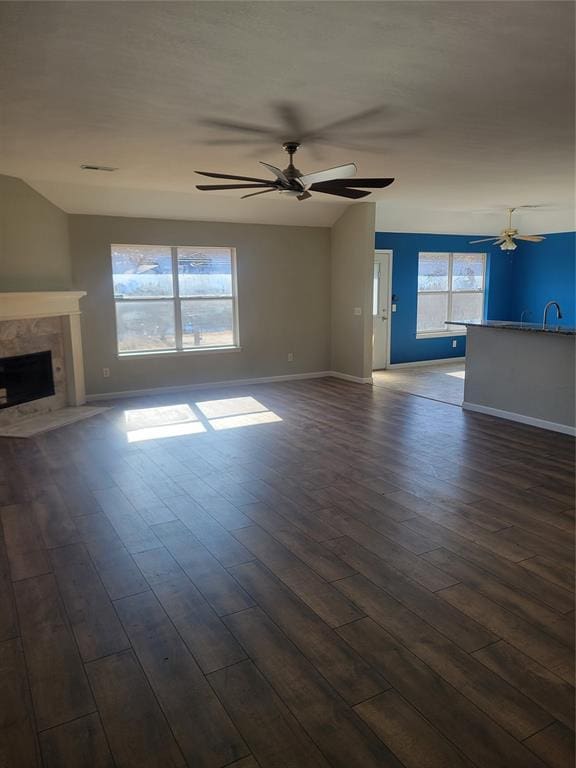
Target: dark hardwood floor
{"points": [[327, 574]]}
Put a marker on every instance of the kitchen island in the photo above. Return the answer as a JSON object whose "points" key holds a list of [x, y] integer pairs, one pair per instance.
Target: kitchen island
{"points": [[523, 372]]}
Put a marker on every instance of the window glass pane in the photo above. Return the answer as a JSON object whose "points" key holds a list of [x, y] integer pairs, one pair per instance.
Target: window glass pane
{"points": [[142, 270], [376, 290], [433, 271], [432, 312], [144, 326], [205, 271], [468, 272], [467, 307], [207, 323]]}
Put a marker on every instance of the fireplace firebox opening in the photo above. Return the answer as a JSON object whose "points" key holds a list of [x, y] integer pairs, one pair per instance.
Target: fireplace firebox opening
{"points": [[25, 377]]}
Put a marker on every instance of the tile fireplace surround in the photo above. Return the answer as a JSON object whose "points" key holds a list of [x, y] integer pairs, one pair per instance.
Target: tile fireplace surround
{"points": [[38, 321]]}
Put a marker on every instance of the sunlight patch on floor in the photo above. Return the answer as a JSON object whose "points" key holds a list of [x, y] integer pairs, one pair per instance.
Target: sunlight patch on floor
{"points": [[166, 421], [182, 419], [456, 374], [231, 406]]}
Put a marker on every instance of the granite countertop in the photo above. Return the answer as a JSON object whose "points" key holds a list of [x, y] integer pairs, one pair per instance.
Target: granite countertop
{"points": [[508, 325]]}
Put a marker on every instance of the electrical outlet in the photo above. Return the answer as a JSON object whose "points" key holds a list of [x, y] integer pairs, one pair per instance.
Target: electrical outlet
{"points": [[106, 373], [454, 342], [290, 357]]}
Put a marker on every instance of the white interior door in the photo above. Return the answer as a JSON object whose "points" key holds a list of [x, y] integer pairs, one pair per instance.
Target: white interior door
{"points": [[381, 309]]}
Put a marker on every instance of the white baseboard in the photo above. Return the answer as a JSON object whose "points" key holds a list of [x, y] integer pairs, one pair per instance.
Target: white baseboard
{"points": [[207, 385], [348, 377], [519, 417], [90, 398], [442, 361]]}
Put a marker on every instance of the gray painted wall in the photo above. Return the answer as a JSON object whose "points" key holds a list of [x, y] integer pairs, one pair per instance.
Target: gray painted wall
{"points": [[522, 372], [283, 292], [34, 249], [352, 269]]}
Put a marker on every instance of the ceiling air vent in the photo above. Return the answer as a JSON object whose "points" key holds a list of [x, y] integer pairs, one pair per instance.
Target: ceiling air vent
{"points": [[90, 167]]}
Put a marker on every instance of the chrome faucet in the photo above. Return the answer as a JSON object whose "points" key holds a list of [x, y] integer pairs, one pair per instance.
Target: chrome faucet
{"points": [[547, 307]]}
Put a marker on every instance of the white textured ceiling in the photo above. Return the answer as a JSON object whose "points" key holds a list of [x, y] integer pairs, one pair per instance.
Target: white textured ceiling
{"points": [[483, 90]]}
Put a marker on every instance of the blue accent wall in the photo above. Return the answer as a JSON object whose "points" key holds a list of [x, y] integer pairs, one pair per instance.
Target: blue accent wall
{"points": [[544, 272], [499, 305]]}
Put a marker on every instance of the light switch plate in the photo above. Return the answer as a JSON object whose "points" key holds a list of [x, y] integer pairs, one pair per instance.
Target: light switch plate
{"points": [[357, 310]]}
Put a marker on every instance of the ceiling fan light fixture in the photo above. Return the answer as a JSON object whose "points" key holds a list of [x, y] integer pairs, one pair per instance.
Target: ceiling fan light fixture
{"points": [[508, 245]]}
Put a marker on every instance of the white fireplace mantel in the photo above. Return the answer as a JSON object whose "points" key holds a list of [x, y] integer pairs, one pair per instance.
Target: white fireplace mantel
{"points": [[23, 305], [65, 304]]}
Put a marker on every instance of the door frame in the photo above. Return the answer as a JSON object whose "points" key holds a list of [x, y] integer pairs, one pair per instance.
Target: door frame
{"points": [[390, 254]]}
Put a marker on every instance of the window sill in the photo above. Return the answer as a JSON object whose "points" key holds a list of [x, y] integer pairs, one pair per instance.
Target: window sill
{"points": [[178, 352], [440, 334]]}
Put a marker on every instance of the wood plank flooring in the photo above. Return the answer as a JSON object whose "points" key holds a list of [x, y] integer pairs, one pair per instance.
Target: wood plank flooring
{"points": [[328, 575]]}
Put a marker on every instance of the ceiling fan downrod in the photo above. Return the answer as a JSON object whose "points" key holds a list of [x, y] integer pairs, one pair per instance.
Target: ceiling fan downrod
{"points": [[291, 147]]}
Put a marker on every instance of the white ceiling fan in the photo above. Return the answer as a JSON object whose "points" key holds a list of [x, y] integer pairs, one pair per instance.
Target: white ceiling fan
{"points": [[506, 238]]}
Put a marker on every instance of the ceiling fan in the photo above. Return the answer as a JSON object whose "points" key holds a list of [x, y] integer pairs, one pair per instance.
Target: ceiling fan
{"points": [[290, 181], [506, 238]]}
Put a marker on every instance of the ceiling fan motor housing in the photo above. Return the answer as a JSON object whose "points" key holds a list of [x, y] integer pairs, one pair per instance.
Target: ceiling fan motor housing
{"points": [[291, 147]]}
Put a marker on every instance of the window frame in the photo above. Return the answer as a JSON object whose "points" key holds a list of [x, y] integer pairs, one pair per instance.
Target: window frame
{"points": [[462, 330], [176, 300]]}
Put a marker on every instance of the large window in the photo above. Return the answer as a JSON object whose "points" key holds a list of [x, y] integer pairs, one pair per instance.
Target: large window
{"points": [[451, 286], [174, 299]]}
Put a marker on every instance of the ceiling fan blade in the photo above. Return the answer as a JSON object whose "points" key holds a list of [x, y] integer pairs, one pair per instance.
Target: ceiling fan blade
{"points": [[366, 183], [386, 133], [485, 240], [229, 176], [262, 192], [357, 118], [530, 238], [261, 141], [330, 174], [353, 146], [241, 127], [206, 187], [277, 172], [291, 116], [352, 194]]}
